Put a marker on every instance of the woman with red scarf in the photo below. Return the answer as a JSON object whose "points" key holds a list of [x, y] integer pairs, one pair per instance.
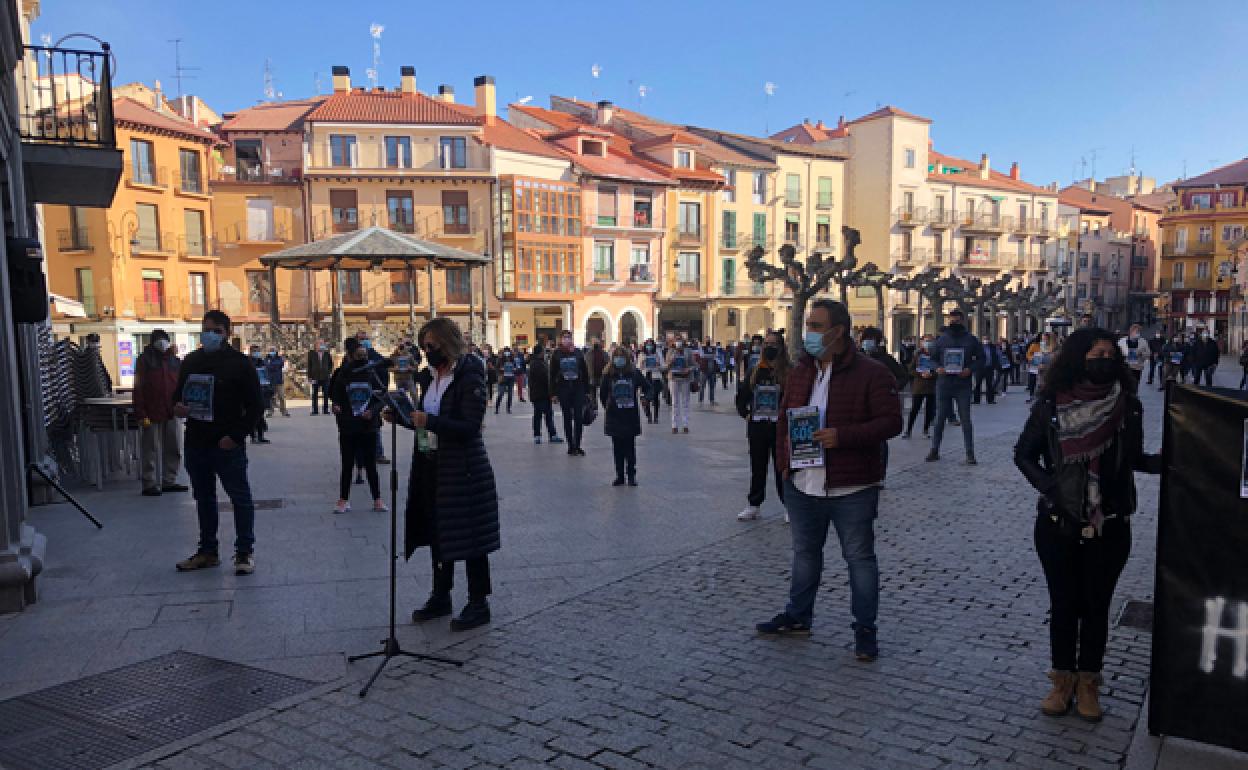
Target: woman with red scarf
{"points": [[1080, 449]]}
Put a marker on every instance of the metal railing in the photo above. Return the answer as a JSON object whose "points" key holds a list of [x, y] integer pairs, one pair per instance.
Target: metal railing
{"points": [[191, 184], [152, 176], [606, 273], [153, 242], [74, 239], [728, 287], [687, 235], [197, 246], [243, 232], [758, 289], [66, 96], [823, 200], [730, 241], [909, 217], [257, 172], [941, 217], [1190, 249], [1205, 283], [640, 273]]}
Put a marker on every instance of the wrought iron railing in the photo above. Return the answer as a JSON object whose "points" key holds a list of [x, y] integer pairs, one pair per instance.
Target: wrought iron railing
{"points": [[66, 96]]}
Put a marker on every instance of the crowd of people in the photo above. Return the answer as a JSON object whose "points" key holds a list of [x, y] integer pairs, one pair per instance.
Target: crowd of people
{"points": [[820, 420]]}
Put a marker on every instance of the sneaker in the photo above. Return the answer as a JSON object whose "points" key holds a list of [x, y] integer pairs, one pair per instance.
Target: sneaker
{"points": [[151, 492], [359, 479], [555, 440], [263, 441], [906, 434], [174, 488], [200, 560], [970, 460], [783, 624], [571, 451], [342, 507], [537, 439], [786, 517], [927, 434], [675, 430], [749, 514], [932, 456], [383, 460], [244, 563], [866, 648], [955, 422], [379, 506], [619, 482], [632, 481], [580, 452], [475, 614], [685, 429], [437, 606]]}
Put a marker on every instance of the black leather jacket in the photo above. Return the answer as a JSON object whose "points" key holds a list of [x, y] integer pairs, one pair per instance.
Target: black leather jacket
{"points": [[1064, 487]]}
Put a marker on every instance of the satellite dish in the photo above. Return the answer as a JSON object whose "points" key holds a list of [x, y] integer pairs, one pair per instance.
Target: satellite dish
{"points": [[375, 30], [524, 100], [642, 90], [595, 71]]}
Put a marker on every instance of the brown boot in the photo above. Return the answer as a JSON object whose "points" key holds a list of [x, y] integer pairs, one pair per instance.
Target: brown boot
{"points": [[1087, 698], [1057, 702]]}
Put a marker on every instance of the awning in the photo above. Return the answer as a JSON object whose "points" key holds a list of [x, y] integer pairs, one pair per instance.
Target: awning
{"points": [[372, 247], [66, 306]]}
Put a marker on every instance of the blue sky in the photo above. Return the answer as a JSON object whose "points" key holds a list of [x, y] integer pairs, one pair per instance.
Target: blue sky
{"points": [[1045, 84]]}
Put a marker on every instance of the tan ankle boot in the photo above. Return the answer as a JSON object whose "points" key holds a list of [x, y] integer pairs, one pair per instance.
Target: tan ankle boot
{"points": [[1057, 702], [1087, 697]]}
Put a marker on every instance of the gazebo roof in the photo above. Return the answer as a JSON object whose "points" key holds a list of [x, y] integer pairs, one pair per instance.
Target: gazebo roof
{"points": [[372, 247]]}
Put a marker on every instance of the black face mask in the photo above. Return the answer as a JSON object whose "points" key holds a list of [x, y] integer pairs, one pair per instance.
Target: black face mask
{"points": [[956, 328], [770, 352], [435, 357], [1101, 371]]}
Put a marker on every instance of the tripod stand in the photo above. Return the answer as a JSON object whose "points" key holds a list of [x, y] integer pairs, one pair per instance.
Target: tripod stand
{"points": [[390, 645], [56, 485]]}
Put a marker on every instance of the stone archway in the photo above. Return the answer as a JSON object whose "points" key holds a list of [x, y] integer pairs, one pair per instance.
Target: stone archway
{"points": [[598, 327], [630, 328]]}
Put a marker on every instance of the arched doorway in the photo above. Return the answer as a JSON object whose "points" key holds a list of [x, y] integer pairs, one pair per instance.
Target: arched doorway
{"points": [[596, 329], [630, 328]]}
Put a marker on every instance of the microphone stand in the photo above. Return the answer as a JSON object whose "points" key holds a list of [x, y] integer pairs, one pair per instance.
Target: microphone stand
{"points": [[390, 648]]}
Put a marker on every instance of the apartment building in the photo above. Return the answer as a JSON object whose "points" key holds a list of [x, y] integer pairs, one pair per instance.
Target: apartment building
{"points": [[1204, 233], [149, 260]]}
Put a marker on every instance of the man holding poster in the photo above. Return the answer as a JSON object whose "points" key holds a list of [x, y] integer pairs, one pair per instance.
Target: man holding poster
{"points": [[837, 408], [958, 355]]}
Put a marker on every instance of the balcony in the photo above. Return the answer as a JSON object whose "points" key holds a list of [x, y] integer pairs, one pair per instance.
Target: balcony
{"points": [[408, 228], [197, 247], [986, 223], [640, 273], [65, 121], [604, 273], [728, 288], [731, 241], [758, 289], [686, 286], [256, 172], [792, 200], [255, 232], [74, 239], [793, 236], [941, 218], [823, 200], [150, 243], [190, 184], [689, 236], [1189, 249], [979, 260], [909, 217], [156, 178], [1199, 284]]}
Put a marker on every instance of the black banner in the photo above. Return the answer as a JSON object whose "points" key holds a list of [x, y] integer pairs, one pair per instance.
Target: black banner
{"points": [[1199, 683]]}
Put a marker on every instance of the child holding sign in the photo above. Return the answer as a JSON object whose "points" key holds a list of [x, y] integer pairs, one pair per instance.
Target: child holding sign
{"points": [[359, 418], [618, 392]]}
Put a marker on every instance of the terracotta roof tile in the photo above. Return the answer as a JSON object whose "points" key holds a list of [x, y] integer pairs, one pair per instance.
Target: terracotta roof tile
{"points": [[271, 116], [969, 175], [502, 135], [889, 111], [552, 118], [361, 106], [1232, 173], [127, 110]]}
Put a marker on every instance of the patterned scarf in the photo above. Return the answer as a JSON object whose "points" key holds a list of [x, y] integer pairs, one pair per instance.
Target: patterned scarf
{"points": [[1088, 418]]}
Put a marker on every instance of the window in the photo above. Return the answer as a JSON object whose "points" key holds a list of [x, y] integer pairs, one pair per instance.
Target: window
{"points": [[643, 209], [688, 272], [907, 244], [341, 150], [1202, 270], [730, 188], [402, 288], [824, 200], [1178, 275], [454, 152], [792, 228], [792, 190], [247, 160], [604, 261], [1232, 232], [459, 286], [1022, 214], [690, 219], [260, 219], [78, 238], [196, 243], [1226, 199], [345, 210], [639, 263], [1205, 234], [148, 233], [684, 159], [86, 289], [823, 232], [938, 204], [760, 187], [455, 212], [1180, 240], [1201, 200], [760, 230], [728, 282], [607, 206], [938, 247], [153, 301], [1044, 214], [1083, 259], [350, 287], [398, 152], [907, 202], [1083, 291], [142, 162], [399, 210], [909, 157], [1022, 251], [259, 292], [593, 147], [197, 293], [729, 230], [188, 170]]}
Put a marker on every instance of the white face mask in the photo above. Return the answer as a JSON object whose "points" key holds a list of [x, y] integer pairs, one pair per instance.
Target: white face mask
{"points": [[162, 345]]}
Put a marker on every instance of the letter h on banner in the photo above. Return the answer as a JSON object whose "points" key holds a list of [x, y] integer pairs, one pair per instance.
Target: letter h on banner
{"points": [[1214, 631]]}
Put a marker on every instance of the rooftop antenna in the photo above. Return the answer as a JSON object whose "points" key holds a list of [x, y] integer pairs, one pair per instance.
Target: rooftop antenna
{"points": [[1132, 172], [769, 90], [524, 99], [316, 82], [643, 91], [270, 91], [595, 71], [179, 72], [374, 72]]}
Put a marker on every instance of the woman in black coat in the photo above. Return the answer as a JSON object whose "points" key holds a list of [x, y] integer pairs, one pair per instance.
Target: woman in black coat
{"points": [[619, 393], [452, 503], [356, 411], [1080, 449]]}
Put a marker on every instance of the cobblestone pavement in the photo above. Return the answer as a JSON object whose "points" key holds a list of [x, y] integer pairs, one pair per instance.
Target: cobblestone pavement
{"points": [[658, 666]]}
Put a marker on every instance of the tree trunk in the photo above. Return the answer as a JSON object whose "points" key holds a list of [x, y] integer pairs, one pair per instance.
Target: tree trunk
{"points": [[879, 309], [844, 294], [919, 316], [797, 317]]}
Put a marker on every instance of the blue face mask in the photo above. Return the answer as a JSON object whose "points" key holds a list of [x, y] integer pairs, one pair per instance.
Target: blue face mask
{"points": [[211, 341], [368, 344], [868, 346], [620, 362], [813, 343]]}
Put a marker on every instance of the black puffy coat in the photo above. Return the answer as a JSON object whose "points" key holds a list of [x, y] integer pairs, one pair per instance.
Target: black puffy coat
{"points": [[348, 423], [539, 378], [452, 501], [622, 422]]}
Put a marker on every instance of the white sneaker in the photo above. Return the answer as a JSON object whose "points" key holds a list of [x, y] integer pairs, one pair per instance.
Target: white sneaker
{"points": [[749, 514], [786, 517], [380, 507], [342, 508]]}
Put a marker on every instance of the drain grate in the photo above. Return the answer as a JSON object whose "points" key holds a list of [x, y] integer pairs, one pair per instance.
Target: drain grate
{"points": [[269, 504], [1136, 614], [107, 718]]}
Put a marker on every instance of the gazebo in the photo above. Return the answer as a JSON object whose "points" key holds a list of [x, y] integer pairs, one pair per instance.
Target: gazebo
{"points": [[372, 248]]}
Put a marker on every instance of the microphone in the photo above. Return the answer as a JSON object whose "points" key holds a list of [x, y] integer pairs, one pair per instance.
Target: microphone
{"points": [[377, 363]]}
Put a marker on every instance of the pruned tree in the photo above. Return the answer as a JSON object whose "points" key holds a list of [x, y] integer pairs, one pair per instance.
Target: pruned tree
{"points": [[804, 279]]}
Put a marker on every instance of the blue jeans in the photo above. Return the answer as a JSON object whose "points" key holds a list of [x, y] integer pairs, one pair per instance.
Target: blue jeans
{"points": [[946, 397], [205, 466], [854, 519]]}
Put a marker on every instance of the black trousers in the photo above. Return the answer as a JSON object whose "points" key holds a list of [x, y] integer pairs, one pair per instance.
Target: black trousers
{"points": [[358, 450], [1031, 383], [763, 453], [1082, 576], [927, 401], [572, 404], [505, 387], [320, 388], [477, 570], [650, 399], [625, 450], [985, 377], [542, 408]]}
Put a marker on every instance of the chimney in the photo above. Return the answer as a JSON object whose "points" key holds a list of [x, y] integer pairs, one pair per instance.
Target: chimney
{"points": [[446, 93], [1014, 170], [342, 79], [820, 125], [407, 80], [840, 122], [805, 121], [158, 99], [604, 113], [487, 105], [983, 166]]}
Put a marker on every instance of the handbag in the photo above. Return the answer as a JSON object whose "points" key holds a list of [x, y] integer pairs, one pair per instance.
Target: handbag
{"points": [[589, 412], [694, 387]]}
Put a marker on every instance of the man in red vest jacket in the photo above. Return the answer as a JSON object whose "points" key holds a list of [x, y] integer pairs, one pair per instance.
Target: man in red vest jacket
{"points": [[155, 378]]}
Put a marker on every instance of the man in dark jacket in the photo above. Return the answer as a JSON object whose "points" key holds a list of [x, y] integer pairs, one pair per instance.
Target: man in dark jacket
{"points": [[218, 392], [957, 354], [539, 393], [275, 365], [1155, 359], [569, 380], [986, 374], [837, 408], [155, 377], [1205, 356], [320, 368]]}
